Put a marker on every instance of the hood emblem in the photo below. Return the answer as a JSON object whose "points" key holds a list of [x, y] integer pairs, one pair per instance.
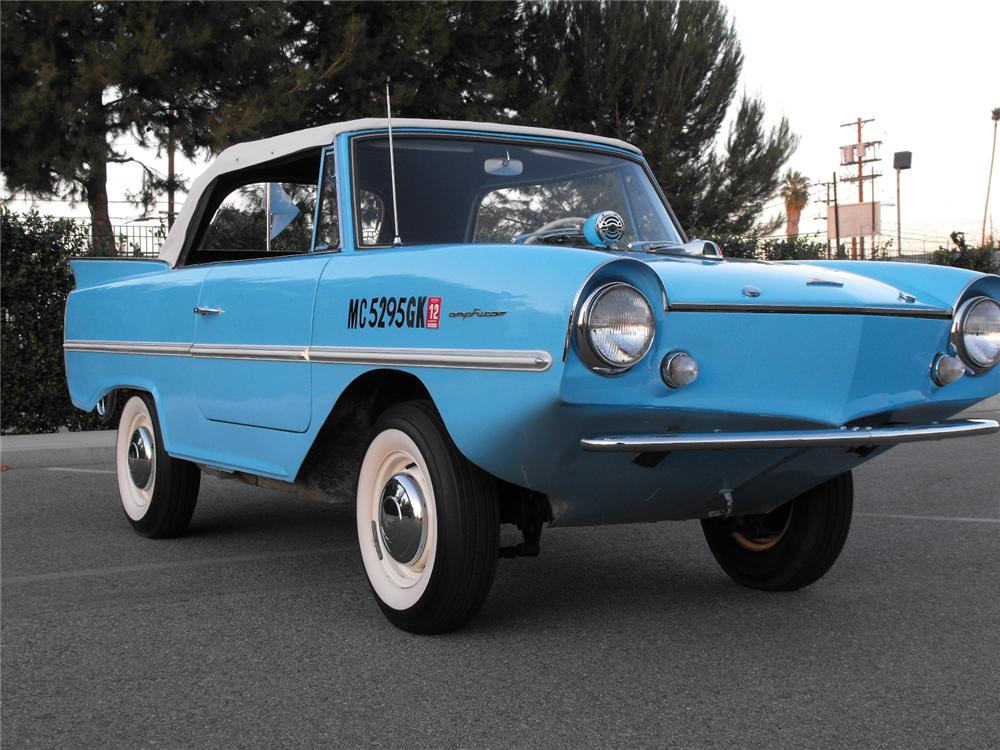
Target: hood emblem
{"points": [[823, 282], [751, 291]]}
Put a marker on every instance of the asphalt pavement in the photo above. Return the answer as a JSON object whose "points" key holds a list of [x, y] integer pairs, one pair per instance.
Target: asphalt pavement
{"points": [[258, 629]]}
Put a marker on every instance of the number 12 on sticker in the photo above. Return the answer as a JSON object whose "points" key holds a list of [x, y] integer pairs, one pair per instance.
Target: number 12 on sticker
{"points": [[433, 312]]}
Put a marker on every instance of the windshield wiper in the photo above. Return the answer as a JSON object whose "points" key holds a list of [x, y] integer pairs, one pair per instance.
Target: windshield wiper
{"points": [[653, 246]]}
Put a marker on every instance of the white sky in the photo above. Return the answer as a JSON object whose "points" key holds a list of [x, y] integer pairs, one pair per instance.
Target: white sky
{"points": [[928, 73]]}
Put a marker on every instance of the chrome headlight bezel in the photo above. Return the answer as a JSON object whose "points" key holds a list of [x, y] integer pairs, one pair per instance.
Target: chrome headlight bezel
{"points": [[958, 333], [589, 353]]}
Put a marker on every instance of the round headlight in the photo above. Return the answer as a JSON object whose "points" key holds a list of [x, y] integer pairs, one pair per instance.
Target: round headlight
{"points": [[616, 323], [977, 333]]}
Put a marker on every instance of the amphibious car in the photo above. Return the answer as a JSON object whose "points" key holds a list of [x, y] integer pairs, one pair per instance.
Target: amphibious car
{"points": [[467, 325]]}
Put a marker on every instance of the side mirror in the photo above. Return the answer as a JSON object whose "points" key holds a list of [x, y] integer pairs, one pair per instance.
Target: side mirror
{"points": [[711, 249], [703, 247]]}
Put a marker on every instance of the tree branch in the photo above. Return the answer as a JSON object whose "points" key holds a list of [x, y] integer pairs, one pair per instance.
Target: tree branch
{"points": [[126, 159]]}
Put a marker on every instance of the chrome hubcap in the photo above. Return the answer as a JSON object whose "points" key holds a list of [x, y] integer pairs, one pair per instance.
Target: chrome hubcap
{"points": [[140, 457], [402, 520]]}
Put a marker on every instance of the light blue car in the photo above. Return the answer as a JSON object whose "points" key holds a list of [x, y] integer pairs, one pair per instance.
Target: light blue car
{"points": [[471, 324]]}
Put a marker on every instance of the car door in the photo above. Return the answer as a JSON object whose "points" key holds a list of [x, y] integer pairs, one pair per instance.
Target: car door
{"points": [[250, 362], [249, 357]]}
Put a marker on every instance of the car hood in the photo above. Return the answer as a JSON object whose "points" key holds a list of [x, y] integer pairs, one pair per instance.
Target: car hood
{"points": [[711, 283]]}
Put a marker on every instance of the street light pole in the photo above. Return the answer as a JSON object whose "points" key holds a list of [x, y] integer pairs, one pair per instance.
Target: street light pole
{"points": [[899, 226], [900, 160]]}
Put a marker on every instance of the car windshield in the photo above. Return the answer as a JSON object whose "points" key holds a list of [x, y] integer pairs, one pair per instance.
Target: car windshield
{"points": [[465, 190]]}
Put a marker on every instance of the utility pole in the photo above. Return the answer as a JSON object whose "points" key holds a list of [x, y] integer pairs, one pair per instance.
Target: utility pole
{"points": [[873, 212], [996, 118], [836, 212], [859, 151], [827, 185], [825, 217]]}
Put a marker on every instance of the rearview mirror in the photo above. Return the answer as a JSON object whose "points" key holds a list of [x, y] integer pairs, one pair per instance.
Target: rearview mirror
{"points": [[504, 167]]}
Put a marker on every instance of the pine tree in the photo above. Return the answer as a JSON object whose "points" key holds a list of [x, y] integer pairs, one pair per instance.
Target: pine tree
{"points": [[660, 75], [76, 77], [448, 60]]}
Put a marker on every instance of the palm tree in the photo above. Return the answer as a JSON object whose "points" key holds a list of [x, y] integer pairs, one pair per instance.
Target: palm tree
{"points": [[989, 182], [795, 193]]}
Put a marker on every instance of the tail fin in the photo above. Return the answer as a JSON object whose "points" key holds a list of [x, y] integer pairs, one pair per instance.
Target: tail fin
{"points": [[90, 272]]}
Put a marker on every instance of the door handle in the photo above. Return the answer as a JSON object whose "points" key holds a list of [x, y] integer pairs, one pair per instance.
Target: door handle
{"points": [[206, 311]]}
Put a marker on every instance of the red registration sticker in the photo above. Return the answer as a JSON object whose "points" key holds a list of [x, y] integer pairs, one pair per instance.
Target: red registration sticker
{"points": [[433, 312]]}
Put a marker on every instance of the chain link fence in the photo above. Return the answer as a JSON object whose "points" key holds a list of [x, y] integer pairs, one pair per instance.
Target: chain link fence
{"points": [[134, 240]]}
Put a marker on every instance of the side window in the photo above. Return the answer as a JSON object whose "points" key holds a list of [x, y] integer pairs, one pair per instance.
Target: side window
{"points": [[259, 219], [328, 213]]}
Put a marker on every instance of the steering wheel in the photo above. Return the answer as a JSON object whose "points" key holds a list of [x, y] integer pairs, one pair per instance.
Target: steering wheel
{"points": [[570, 226]]}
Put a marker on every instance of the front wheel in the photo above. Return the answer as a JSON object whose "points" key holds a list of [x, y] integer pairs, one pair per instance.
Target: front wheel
{"points": [[428, 523], [790, 547]]}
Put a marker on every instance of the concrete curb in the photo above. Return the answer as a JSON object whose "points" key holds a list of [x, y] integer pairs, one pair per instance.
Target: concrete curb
{"points": [[57, 449]]}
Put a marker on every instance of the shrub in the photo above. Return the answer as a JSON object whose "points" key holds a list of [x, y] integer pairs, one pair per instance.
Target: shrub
{"points": [[35, 281], [974, 258], [771, 248]]}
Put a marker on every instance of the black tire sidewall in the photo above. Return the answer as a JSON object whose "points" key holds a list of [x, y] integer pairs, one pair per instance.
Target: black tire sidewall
{"points": [[817, 530], [456, 588]]}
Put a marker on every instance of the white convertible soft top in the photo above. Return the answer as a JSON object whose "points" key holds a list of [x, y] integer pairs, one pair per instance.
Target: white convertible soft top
{"points": [[248, 154]]}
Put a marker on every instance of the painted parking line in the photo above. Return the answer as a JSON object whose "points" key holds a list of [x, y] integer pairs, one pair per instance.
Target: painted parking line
{"points": [[153, 567], [80, 471], [901, 516]]}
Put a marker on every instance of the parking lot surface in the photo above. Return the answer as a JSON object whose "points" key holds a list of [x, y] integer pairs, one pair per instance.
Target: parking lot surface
{"points": [[258, 630]]}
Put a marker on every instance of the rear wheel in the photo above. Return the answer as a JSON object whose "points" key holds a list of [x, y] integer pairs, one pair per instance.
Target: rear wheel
{"points": [[428, 523], [158, 492], [790, 547]]}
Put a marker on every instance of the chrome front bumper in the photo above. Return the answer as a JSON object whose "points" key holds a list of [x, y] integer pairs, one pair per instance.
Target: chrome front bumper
{"points": [[853, 437]]}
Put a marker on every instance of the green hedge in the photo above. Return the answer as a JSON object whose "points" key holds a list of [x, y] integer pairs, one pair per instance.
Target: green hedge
{"points": [[793, 248], [771, 248], [35, 281], [974, 258]]}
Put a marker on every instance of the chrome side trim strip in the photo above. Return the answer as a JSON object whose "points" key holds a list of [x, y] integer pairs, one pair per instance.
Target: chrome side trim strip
{"points": [[266, 353], [846, 437], [900, 312], [473, 359], [128, 347], [470, 359]]}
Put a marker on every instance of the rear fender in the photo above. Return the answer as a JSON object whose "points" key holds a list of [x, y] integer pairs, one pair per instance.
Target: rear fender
{"points": [[91, 272]]}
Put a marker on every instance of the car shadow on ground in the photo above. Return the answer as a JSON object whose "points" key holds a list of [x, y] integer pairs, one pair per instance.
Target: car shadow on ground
{"points": [[639, 573]]}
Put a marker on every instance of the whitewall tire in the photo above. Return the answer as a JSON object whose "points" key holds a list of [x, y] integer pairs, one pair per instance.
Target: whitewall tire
{"points": [[427, 521], [158, 493]]}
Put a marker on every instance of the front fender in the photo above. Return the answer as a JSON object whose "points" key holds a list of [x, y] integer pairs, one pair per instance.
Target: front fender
{"points": [[940, 285], [493, 298]]}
